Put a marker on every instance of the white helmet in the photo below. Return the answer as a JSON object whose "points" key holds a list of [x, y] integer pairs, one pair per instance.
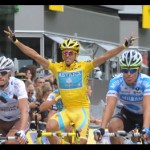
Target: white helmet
{"points": [[6, 63], [131, 58]]}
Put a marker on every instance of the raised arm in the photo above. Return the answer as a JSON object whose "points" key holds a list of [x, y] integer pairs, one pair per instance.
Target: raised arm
{"points": [[27, 50], [101, 59]]}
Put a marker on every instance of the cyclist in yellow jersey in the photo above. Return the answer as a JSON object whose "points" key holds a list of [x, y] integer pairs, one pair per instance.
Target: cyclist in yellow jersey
{"points": [[72, 78]]}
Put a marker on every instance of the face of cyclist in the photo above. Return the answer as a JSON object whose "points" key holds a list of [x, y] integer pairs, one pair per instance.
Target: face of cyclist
{"points": [[130, 75], [4, 77], [69, 56]]}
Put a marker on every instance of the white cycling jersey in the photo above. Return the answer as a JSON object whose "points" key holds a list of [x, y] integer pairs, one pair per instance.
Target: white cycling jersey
{"points": [[130, 97], [15, 91]]}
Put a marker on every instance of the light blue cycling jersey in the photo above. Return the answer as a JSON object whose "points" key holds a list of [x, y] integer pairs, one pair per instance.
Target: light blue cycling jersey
{"points": [[131, 97]]}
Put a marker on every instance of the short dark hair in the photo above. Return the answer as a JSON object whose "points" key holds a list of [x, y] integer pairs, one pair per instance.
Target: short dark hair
{"points": [[55, 82]]}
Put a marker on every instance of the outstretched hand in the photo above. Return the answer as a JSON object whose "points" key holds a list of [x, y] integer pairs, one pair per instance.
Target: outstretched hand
{"points": [[10, 34], [130, 41]]}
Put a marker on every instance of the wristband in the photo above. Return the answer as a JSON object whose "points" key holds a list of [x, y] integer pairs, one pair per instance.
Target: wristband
{"points": [[57, 98], [124, 45], [147, 131], [13, 38], [102, 131], [16, 41]]}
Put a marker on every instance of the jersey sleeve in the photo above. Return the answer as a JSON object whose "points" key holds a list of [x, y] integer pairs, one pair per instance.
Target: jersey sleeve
{"points": [[20, 89], [51, 66], [113, 87], [51, 97], [88, 65], [146, 86]]}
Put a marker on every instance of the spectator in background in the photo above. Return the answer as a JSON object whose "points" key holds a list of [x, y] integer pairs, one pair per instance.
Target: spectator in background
{"points": [[50, 102], [30, 90], [98, 73], [27, 73], [42, 93], [39, 81], [32, 69], [21, 76]]}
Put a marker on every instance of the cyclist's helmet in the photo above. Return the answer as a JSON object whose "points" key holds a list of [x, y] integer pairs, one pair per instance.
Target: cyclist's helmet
{"points": [[70, 44], [131, 58], [6, 63]]}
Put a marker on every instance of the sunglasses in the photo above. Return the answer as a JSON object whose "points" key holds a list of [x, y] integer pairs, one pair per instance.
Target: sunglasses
{"points": [[129, 70], [3, 73], [30, 93], [70, 53]]}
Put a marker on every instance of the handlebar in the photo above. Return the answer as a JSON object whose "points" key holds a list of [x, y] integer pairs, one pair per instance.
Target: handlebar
{"points": [[122, 133], [6, 138], [60, 134], [126, 135], [39, 122]]}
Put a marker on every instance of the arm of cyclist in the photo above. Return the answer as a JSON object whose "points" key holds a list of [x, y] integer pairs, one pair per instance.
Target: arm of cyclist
{"points": [[101, 59], [108, 112], [27, 50], [146, 117], [32, 105], [48, 103], [24, 111], [97, 121]]}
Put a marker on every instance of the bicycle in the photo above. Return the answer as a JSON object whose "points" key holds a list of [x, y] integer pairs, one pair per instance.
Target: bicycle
{"points": [[105, 139], [3, 139], [127, 136], [32, 134], [6, 138], [40, 136]]}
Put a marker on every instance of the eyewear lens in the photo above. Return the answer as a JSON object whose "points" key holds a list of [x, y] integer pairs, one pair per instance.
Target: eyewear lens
{"points": [[3, 73], [68, 53], [129, 70], [30, 93]]}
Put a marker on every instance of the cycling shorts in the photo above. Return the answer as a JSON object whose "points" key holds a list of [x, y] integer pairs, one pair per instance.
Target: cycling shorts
{"points": [[129, 119], [79, 116]]}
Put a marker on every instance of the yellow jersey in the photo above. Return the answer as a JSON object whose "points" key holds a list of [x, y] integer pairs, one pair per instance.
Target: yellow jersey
{"points": [[72, 82]]}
